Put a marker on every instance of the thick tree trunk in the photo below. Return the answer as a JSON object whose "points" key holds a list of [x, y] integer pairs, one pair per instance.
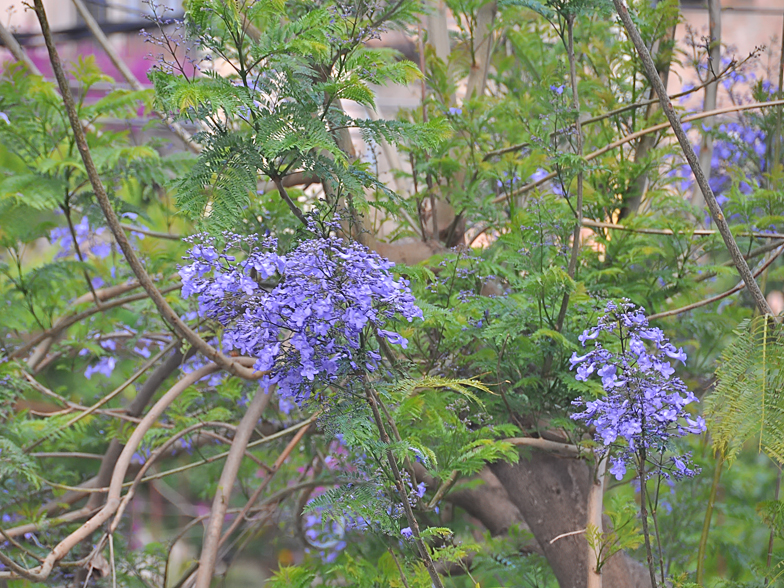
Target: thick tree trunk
{"points": [[551, 493]]}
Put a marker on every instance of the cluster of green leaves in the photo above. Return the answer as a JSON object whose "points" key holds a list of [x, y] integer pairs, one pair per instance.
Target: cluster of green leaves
{"points": [[278, 111]]}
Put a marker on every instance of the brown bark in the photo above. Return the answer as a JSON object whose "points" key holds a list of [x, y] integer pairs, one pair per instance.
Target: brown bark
{"points": [[551, 493]]}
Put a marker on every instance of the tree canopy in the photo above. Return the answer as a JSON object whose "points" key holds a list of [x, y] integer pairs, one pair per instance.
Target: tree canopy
{"points": [[524, 333]]}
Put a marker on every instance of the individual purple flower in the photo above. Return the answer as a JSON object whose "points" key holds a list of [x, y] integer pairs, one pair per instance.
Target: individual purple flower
{"points": [[407, 533], [643, 407], [105, 367]]}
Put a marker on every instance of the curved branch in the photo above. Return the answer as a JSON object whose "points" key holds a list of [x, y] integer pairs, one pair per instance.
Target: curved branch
{"points": [[78, 317], [103, 400], [636, 135], [242, 513], [152, 459], [123, 462], [717, 297], [212, 532], [16, 50], [167, 312]]}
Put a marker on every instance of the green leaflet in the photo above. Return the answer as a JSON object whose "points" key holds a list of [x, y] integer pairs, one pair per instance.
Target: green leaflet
{"points": [[747, 401]]}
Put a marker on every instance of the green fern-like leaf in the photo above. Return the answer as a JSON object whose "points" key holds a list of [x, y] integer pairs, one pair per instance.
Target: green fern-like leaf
{"points": [[748, 401]]}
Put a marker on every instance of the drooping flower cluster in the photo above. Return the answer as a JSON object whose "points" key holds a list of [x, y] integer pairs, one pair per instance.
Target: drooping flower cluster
{"points": [[644, 406], [331, 298]]}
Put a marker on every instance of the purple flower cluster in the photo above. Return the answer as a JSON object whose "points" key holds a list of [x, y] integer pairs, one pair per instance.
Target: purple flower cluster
{"points": [[331, 297], [643, 407]]}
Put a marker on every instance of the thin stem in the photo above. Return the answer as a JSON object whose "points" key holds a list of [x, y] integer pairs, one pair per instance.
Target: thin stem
{"points": [[572, 268], [706, 524], [691, 157], [636, 135], [644, 517], [620, 110], [17, 51], [424, 553], [717, 297], [138, 374], [67, 212], [772, 529]]}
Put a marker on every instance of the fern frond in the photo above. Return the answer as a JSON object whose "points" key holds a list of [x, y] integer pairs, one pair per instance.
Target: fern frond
{"points": [[748, 400]]}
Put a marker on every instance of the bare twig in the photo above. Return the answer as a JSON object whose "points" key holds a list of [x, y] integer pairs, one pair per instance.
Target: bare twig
{"points": [[717, 297], [16, 50], [696, 232], [636, 135], [442, 489], [125, 72], [284, 455], [77, 317], [619, 110], [153, 234], [159, 451]]}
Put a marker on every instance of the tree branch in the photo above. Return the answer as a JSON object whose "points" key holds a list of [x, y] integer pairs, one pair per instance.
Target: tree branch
{"points": [[212, 531], [717, 297], [636, 135], [166, 311], [125, 72], [16, 50], [562, 449], [691, 157], [123, 462]]}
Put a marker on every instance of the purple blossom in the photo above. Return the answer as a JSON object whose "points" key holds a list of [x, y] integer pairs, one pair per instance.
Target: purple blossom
{"points": [[105, 366], [643, 407], [332, 299], [407, 533]]}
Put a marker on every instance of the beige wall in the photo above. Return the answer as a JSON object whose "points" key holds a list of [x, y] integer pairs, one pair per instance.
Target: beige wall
{"points": [[746, 24]]}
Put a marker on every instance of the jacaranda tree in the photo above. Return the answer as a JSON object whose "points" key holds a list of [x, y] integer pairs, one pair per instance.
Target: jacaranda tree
{"points": [[470, 344]]}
